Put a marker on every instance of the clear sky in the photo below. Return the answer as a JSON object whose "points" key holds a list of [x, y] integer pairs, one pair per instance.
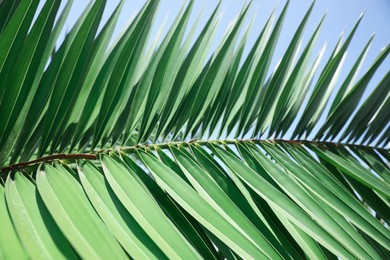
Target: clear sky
{"points": [[341, 16]]}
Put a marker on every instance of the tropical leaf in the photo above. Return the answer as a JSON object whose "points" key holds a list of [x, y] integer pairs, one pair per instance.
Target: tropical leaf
{"points": [[139, 148]]}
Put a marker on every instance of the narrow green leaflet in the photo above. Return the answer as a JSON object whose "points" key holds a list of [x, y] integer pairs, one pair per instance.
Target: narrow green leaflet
{"points": [[122, 79], [124, 227], [378, 125], [211, 84], [374, 161], [95, 98], [269, 215], [241, 83], [216, 109], [95, 58], [333, 201], [200, 209], [75, 216], [323, 176], [7, 10], [354, 170], [289, 234], [33, 220], [343, 110], [269, 193], [138, 201], [273, 90], [299, 96], [258, 79], [67, 84], [164, 76], [294, 85], [362, 193], [309, 245], [10, 246], [188, 71], [333, 223], [24, 128], [349, 81], [13, 35], [231, 189], [361, 120], [323, 87], [137, 102], [23, 73], [187, 225], [213, 194], [371, 198]]}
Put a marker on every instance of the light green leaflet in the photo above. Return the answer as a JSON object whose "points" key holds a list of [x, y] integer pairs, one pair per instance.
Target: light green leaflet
{"points": [[201, 210], [31, 219], [213, 195], [276, 198], [138, 201], [10, 246], [124, 227], [75, 216]]}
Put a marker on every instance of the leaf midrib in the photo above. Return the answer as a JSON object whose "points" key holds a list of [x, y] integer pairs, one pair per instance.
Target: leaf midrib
{"points": [[94, 155]]}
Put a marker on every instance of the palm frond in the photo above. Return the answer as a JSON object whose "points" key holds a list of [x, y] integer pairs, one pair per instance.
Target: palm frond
{"points": [[149, 148]]}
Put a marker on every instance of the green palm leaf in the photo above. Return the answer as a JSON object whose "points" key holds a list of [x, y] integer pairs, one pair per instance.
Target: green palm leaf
{"points": [[123, 148]]}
